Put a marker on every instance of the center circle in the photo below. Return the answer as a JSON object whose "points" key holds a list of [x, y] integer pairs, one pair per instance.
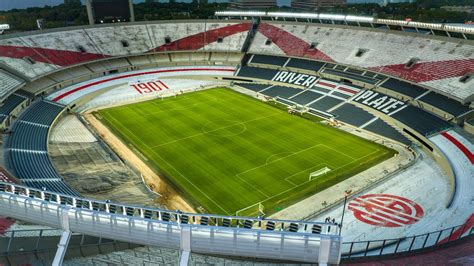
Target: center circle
{"points": [[224, 128]]}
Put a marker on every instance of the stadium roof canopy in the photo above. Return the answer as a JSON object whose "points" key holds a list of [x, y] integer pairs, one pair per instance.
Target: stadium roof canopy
{"points": [[448, 28]]}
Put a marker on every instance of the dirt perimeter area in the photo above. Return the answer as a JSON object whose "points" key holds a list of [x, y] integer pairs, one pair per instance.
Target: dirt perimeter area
{"points": [[169, 197]]}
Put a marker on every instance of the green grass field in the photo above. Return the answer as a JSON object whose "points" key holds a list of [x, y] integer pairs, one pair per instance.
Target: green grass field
{"points": [[225, 151]]}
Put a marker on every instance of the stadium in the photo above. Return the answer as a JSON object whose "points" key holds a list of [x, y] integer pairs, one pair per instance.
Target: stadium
{"points": [[254, 137]]}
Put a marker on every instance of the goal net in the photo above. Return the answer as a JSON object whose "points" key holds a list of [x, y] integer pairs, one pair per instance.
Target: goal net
{"points": [[254, 210], [319, 172]]}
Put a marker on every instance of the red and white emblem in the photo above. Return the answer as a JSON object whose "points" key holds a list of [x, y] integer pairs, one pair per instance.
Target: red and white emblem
{"points": [[386, 210]]}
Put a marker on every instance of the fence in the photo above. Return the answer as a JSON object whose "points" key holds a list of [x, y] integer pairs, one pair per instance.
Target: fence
{"points": [[373, 248], [202, 233]]}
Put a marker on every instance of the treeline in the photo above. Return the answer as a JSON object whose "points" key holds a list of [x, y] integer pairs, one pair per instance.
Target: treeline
{"points": [[440, 3], [415, 11], [73, 14], [54, 17], [174, 10], [419, 11]]}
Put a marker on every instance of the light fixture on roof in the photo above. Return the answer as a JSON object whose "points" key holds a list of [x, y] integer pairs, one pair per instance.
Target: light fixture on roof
{"points": [[240, 13], [293, 15], [332, 17], [347, 18], [359, 19]]}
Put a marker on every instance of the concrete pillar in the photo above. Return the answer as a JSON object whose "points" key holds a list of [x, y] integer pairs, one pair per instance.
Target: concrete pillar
{"points": [[90, 15], [185, 245], [65, 237], [132, 12]]}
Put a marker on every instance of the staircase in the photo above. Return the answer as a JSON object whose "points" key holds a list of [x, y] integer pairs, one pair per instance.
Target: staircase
{"points": [[248, 41]]}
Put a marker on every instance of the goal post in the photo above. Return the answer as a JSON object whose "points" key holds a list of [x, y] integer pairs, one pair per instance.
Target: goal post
{"points": [[319, 172], [254, 210]]}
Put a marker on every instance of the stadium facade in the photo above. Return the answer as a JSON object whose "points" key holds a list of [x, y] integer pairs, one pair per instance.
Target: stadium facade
{"points": [[409, 91]]}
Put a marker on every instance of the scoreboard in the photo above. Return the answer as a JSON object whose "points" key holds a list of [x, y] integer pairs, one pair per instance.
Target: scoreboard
{"points": [[109, 11]]}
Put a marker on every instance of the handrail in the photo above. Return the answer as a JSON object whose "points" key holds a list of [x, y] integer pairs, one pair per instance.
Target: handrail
{"points": [[296, 241], [406, 244], [169, 216]]}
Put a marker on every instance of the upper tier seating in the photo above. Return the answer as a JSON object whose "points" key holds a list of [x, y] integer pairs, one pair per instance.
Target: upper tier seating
{"points": [[28, 149], [452, 86], [8, 84], [442, 102], [421, 121], [434, 62], [120, 40], [40, 53]]}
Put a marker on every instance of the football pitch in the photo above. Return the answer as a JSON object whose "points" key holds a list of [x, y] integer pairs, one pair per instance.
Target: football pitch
{"points": [[228, 153]]}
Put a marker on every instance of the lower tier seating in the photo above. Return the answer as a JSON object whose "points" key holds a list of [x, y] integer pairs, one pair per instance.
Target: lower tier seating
{"points": [[254, 87], [42, 113], [305, 64], [255, 72], [9, 105], [421, 121], [27, 146], [281, 91], [28, 136], [58, 186], [353, 76], [33, 165], [442, 102], [325, 103], [269, 60], [306, 97], [352, 115], [380, 127], [403, 87]]}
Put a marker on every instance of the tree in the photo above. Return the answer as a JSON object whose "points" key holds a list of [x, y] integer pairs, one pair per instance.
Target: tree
{"points": [[72, 2]]}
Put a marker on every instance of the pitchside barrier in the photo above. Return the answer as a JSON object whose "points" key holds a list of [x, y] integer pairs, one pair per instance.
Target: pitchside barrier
{"points": [[298, 241], [407, 244]]}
